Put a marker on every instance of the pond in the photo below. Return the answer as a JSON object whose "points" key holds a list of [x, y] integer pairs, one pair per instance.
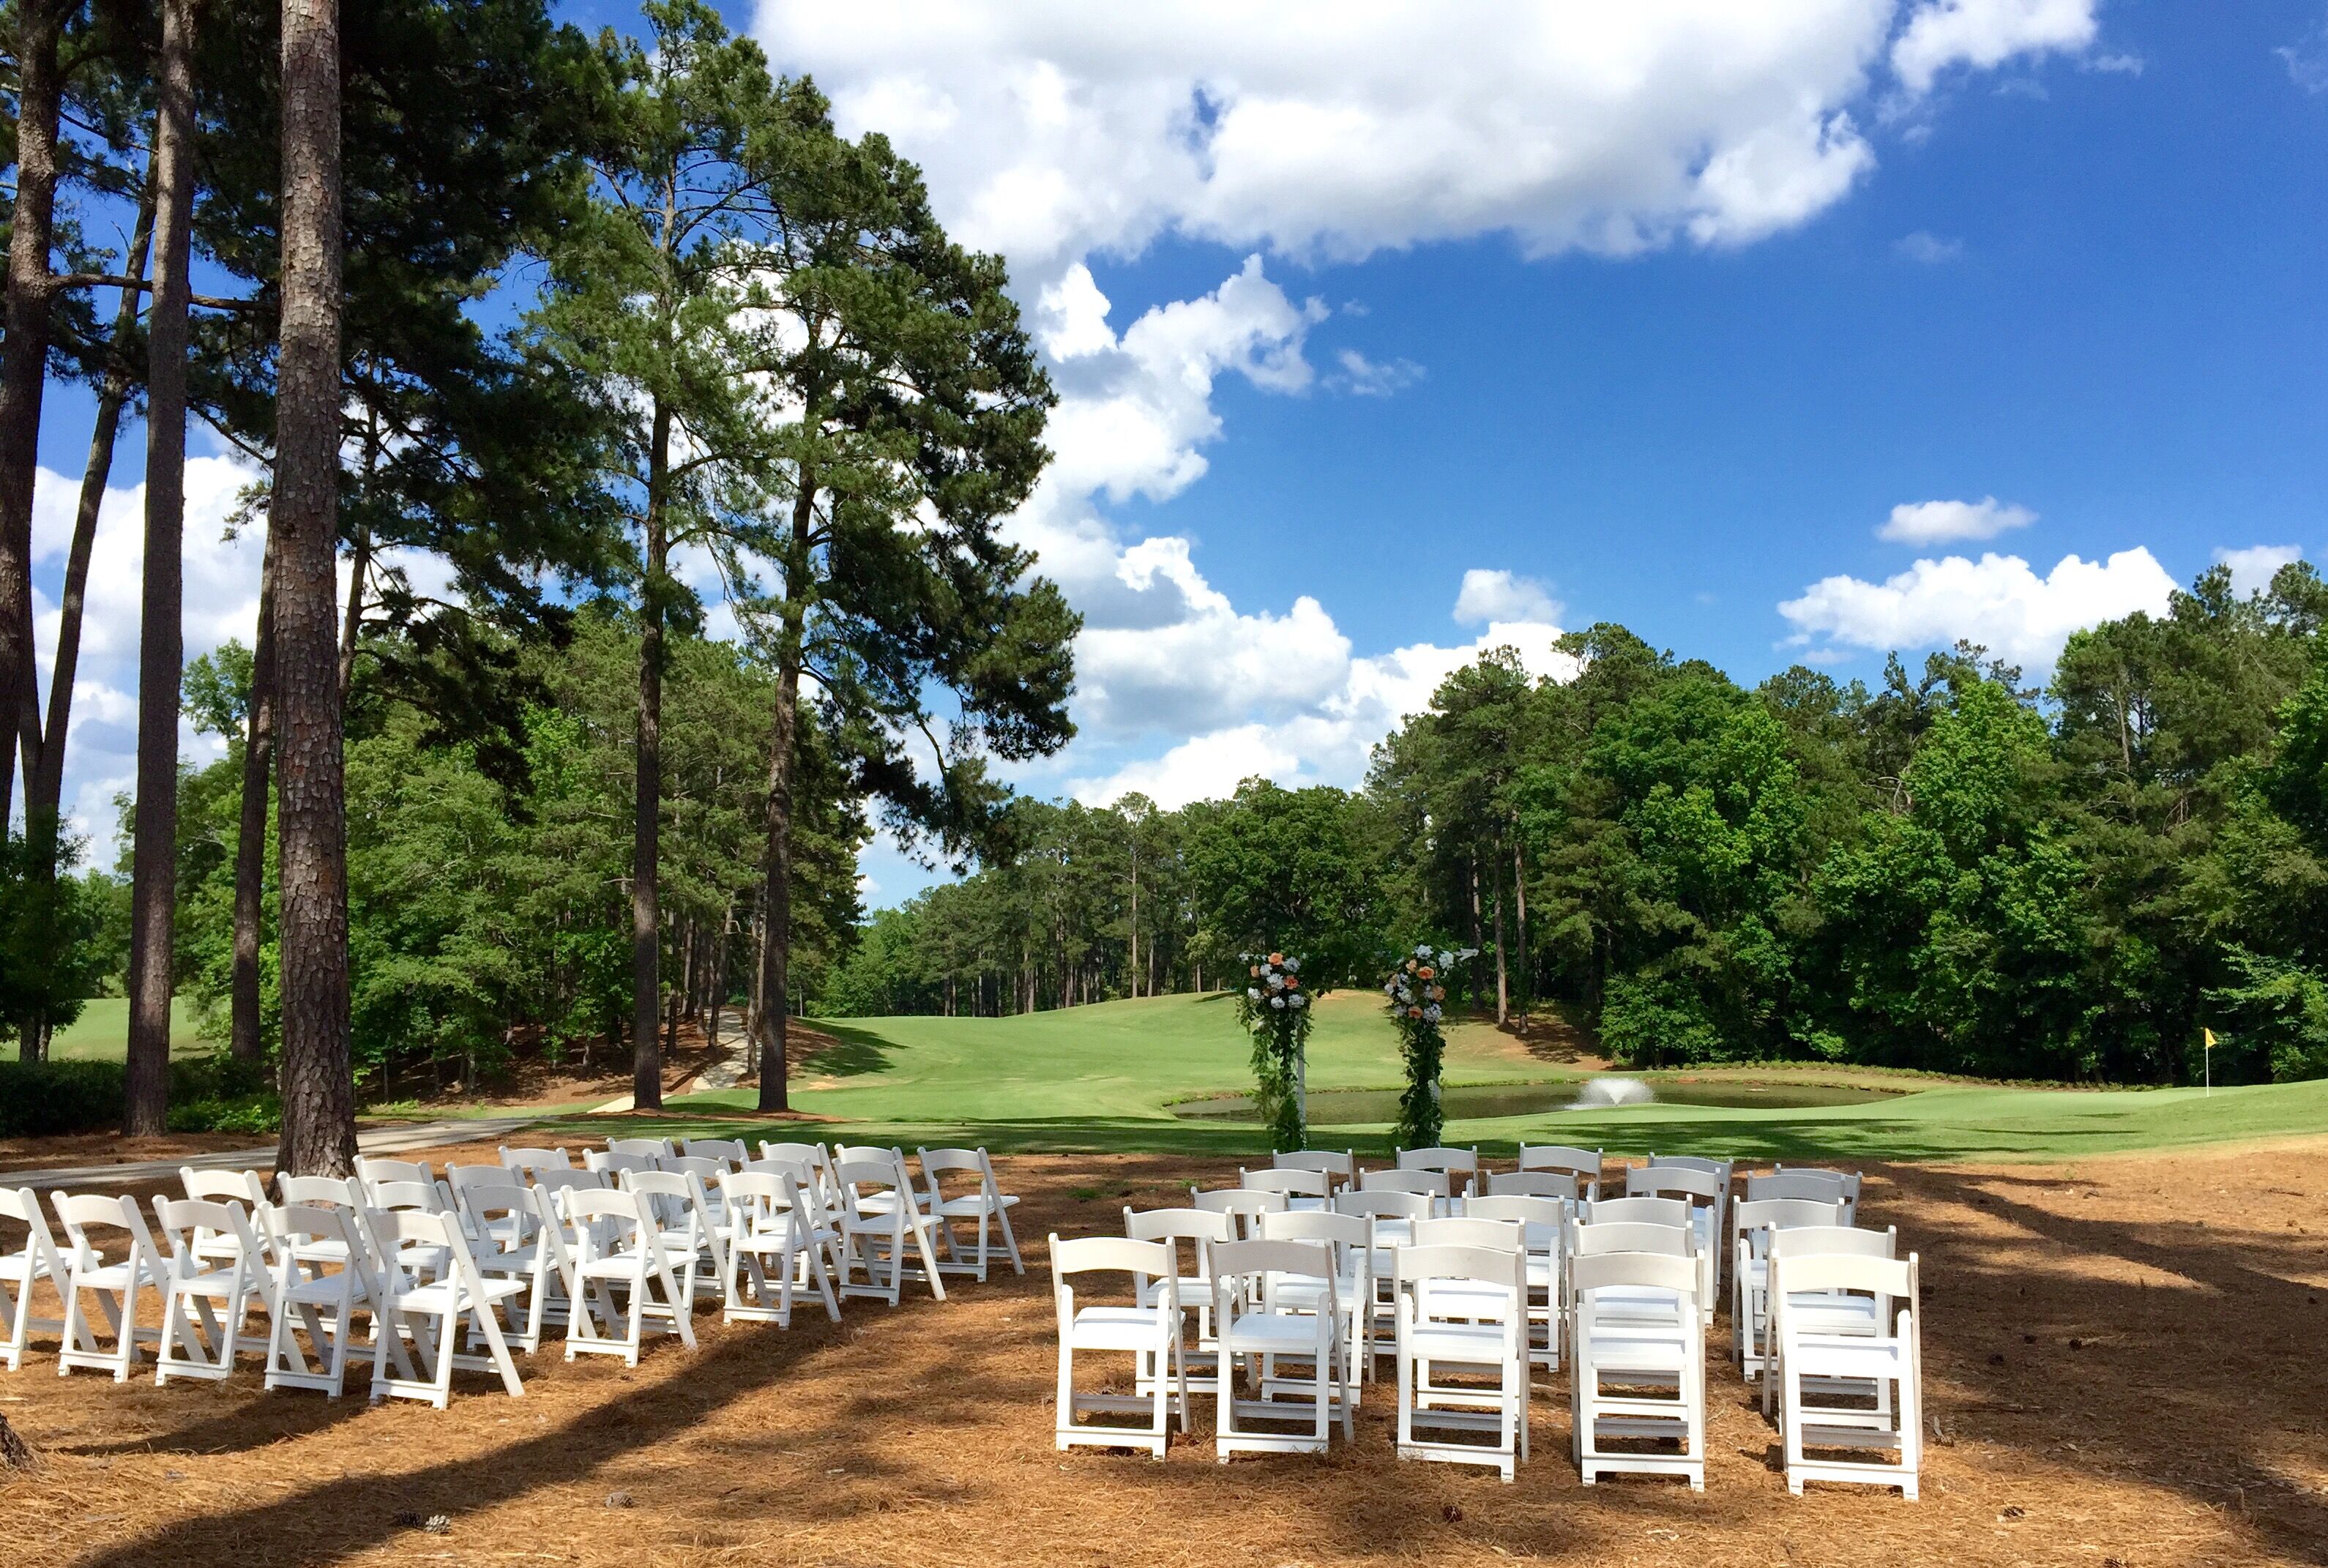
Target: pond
{"points": [[1360, 1107]]}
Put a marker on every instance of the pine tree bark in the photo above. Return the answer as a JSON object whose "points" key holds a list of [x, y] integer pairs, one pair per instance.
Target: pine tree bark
{"points": [[161, 650], [1519, 912], [776, 868], [245, 1040], [318, 1085], [646, 914], [1503, 975], [23, 367]]}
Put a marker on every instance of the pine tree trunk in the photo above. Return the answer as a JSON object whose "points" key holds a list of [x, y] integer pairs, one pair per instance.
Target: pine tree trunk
{"points": [[1503, 975], [319, 1130], [161, 649], [646, 914], [1519, 911], [245, 1040], [358, 570], [23, 367], [775, 926]]}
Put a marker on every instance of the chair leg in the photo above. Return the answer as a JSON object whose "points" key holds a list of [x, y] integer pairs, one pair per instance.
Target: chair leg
{"points": [[1067, 1402]]}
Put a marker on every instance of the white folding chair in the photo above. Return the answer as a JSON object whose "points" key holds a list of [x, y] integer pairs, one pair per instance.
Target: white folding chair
{"points": [[1884, 1368], [455, 1295], [819, 1161], [988, 1206], [1544, 1230], [515, 1235], [613, 1163], [1193, 1286], [371, 1171], [1244, 1205], [1148, 1331], [1707, 1193], [1752, 1223], [1352, 1237], [246, 1188], [1656, 1308], [1583, 1164], [529, 1161], [1837, 1312], [199, 1340], [775, 1235], [1462, 1163], [324, 1275], [1672, 1211], [619, 1250], [20, 1270], [880, 1217], [116, 1285], [641, 1148], [1463, 1307], [1623, 1364], [1851, 1180], [1438, 1185], [1257, 1326], [1338, 1167], [690, 1229], [1394, 1215]]}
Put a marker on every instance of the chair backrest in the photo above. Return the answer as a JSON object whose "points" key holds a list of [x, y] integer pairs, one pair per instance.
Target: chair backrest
{"points": [[570, 1181], [535, 1158], [19, 1203], [1635, 1269], [1631, 1236], [1673, 1211], [243, 1187], [1113, 1255], [1342, 1164], [1439, 1159], [703, 1166], [1438, 1183], [372, 1172], [1540, 1219], [613, 1163], [868, 1153], [441, 1250], [318, 1191], [186, 1223], [583, 1204], [1703, 1187], [1419, 1266], [756, 1198], [813, 1155], [1759, 1214], [1850, 1178], [482, 1200], [1235, 1261], [852, 1175], [1464, 1231], [1398, 1205], [676, 1199], [1584, 1162], [1245, 1204], [731, 1149], [1724, 1168], [1817, 1241], [1820, 1186], [941, 1161], [1302, 1183], [420, 1196], [1344, 1232], [1197, 1225], [1549, 1184], [82, 1213], [461, 1177], [641, 1148], [1892, 1278]]}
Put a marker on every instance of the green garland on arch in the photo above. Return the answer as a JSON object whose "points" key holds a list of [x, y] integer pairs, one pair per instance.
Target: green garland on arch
{"points": [[1274, 1009], [1417, 995]]}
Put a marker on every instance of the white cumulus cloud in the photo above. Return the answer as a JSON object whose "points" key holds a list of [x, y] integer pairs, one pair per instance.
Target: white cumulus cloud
{"points": [[1922, 522], [1997, 601], [1984, 33], [1499, 595], [2252, 568]]}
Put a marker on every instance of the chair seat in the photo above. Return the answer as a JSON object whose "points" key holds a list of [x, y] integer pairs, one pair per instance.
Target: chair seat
{"points": [[113, 1277], [449, 1296], [1119, 1328], [1306, 1295], [1267, 1331], [218, 1283], [972, 1205], [20, 1267], [619, 1265], [323, 1292]]}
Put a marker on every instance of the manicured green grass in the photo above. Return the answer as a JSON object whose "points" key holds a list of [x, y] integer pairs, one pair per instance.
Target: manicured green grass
{"points": [[101, 1033], [1100, 1078]]}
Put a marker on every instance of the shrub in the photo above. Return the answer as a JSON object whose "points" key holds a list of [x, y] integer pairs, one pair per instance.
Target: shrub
{"points": [[212, 1093]]}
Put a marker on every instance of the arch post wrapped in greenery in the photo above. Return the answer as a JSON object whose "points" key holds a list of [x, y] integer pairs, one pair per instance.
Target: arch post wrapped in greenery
{"points": [[1274, 1010], [1417, 989]]}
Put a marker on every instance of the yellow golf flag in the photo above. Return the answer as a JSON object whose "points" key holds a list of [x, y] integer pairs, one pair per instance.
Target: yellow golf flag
{"points": [[2210, 1036]]}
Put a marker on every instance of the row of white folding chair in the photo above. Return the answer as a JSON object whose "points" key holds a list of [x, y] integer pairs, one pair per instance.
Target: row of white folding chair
{"points": [[1847, 1335]]}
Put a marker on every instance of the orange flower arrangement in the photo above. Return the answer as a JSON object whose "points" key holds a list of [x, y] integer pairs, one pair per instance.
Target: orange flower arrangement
{"points": [[1277, 958], [1425, 972]]}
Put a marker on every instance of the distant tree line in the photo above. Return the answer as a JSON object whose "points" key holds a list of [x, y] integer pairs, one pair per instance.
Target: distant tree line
{"points": [[1943, 871]]}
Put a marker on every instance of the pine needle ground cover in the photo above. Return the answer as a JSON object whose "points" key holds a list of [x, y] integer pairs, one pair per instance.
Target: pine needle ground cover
{"points": [[2121, 1369]]}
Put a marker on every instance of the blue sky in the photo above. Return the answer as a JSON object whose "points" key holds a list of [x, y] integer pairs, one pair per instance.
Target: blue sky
{"points": [[1659, 312]]}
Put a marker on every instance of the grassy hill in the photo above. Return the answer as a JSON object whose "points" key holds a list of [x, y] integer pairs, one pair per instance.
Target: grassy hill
{"points": [[1101, 1078], [101, 1033]]}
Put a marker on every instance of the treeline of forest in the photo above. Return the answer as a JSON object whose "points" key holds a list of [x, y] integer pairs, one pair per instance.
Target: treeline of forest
{"points": [[1948, 870]]}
